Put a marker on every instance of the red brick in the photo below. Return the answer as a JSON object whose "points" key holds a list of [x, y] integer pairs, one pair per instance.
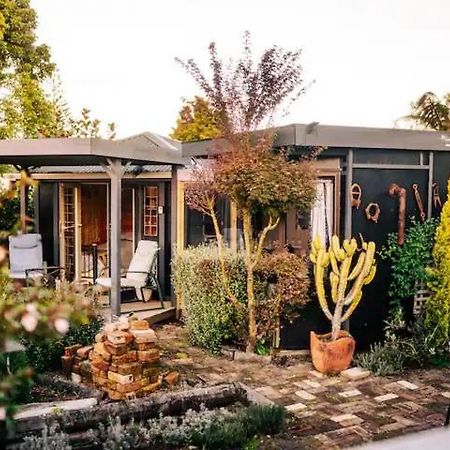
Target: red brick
{"points": [[129, 387], [130, 356], [72, 350], [134, 369], [100, 348], [149, 355], [172, 378], [114, 349], [83, 352], [139, 325]]}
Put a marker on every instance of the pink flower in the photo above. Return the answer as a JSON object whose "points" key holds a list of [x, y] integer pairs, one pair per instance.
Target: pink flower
{"points": [[61, 325], [29, 322]]}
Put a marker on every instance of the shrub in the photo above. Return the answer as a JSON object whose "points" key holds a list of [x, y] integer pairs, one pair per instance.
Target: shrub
{"points": [[288, 275], [46, 354], [403, 348], [410, 260], [437, 307], [207, 429], [51, 439], [211, 319]]}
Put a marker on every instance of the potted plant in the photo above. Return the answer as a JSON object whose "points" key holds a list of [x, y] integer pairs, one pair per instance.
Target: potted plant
{"points": [[333, 352]]}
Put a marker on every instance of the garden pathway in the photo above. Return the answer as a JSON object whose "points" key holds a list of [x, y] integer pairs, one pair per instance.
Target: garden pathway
{"points": [[328, 412]]}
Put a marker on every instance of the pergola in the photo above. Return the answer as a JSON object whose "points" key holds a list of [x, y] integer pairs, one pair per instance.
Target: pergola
{"points": [[113, 155]]}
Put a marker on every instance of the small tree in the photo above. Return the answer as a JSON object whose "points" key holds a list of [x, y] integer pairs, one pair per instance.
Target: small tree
{"points": [[437, 307], [245, 168], [431, 112], [195, 122]]}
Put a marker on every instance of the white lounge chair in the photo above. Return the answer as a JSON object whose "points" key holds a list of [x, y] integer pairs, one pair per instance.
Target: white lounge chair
{"points": [[140, 273], [26, 258]]}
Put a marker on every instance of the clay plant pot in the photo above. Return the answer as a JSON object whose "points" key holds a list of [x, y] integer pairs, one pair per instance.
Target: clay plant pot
{"points": [[332, 357]]}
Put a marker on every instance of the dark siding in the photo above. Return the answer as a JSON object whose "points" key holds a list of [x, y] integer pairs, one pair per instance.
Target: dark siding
{"points": [[385, 156], [47, 211], [366, 324], [442, 173]]}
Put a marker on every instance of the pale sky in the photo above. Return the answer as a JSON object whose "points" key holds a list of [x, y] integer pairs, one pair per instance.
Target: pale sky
{"points": [[369, 58]]}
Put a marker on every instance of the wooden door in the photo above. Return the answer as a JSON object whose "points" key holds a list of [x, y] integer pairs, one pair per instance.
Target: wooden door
{"points": [[69, 230]]}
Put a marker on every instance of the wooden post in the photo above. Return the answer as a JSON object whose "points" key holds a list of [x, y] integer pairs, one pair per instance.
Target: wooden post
{"points": [[23, 208], [115, 172]]}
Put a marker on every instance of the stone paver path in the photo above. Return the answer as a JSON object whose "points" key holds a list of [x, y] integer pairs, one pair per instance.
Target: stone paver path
{"points": [[328, 412]]}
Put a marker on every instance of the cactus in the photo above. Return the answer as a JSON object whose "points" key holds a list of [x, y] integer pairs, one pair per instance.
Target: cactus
{"points": [[338, 263]]}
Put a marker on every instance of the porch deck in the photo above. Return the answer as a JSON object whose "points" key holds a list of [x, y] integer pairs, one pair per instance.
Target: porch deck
{"points": [[150, 310]]}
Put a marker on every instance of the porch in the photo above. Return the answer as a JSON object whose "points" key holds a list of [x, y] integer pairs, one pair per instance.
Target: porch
{"points": [[150, 311], [115, 221]]}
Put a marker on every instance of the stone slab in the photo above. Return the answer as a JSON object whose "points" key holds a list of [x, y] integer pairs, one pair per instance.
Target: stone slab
{"points": [[295, 407], [305, 395], [407, 385], [386, 397], [355, 373], [350, 393]]}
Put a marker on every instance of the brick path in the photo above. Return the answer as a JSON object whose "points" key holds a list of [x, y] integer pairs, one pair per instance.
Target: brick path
{"points": [[328, 412]]}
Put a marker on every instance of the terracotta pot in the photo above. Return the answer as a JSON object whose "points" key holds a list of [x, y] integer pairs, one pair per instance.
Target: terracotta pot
{"points": [[332, 357]]}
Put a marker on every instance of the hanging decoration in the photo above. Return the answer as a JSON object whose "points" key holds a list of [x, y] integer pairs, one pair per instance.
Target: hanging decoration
{"points": [[436, 197], [419, 202], [373, 212], [356, 195], [396, 191]]}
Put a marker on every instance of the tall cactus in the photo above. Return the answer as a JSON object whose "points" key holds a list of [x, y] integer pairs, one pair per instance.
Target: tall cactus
{"points": [[338, 261]]}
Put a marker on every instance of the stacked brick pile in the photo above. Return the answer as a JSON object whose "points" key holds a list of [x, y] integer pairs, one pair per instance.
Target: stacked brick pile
{"points": [[124, 361]]}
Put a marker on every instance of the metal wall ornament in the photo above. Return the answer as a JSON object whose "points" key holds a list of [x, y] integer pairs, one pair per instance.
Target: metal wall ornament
{"points": [[397, 191], [373, 212], [436, 197], [419, 202], [355, 194]]}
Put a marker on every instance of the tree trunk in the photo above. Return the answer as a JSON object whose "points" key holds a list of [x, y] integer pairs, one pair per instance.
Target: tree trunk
{"points": [[221, 253], [251, 301]]}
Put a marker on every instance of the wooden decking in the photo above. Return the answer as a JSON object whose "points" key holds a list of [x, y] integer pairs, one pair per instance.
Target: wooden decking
{"points": [[150, 310]]}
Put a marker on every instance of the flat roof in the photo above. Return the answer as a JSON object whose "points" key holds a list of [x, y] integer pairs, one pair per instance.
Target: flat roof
{"points": [[315, 134], [142, 149]]}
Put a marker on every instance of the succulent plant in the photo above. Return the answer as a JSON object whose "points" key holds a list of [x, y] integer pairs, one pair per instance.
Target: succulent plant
{"points": [[337, 262]]}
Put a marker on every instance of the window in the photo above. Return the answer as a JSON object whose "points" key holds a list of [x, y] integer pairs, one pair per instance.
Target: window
{"points": [[151, 211], [322, 212]]}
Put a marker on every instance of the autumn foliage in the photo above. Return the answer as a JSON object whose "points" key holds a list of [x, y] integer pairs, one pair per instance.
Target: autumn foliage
{"points": [[243, 166]]}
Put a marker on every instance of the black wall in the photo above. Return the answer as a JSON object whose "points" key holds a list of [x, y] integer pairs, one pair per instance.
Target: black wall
{"points": [[47, 202], [366, 323]]}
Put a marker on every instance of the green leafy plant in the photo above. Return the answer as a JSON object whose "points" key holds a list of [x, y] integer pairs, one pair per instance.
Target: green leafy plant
{"points": [[210, 318], [437, 307], [288, 280], [46, 354], [51, 438], [404, 347], [206, 429], [245, 95], [408, 262]]}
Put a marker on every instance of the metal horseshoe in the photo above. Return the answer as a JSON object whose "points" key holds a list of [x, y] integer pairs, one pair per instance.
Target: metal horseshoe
{"points": [[375, 215], [355, 194]]}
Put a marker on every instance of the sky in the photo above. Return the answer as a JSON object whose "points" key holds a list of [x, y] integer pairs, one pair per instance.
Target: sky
{"points": [[365, 61]]}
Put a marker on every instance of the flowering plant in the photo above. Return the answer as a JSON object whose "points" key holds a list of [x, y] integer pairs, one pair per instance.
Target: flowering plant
{"points": [[33, 312]]}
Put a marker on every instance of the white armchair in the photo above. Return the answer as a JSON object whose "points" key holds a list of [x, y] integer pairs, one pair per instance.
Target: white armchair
{"points": [[140, 273]]}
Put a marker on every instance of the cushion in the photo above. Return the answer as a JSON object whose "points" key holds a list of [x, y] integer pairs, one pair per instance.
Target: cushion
{"points": [[124, 282], [25, 252]]}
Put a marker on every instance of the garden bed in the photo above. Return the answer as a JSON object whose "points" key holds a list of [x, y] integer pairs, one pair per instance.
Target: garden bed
{"points": [[77, 423]]}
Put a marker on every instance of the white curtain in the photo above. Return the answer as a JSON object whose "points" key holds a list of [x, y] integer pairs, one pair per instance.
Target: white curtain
{"points": [[322, 212]]}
